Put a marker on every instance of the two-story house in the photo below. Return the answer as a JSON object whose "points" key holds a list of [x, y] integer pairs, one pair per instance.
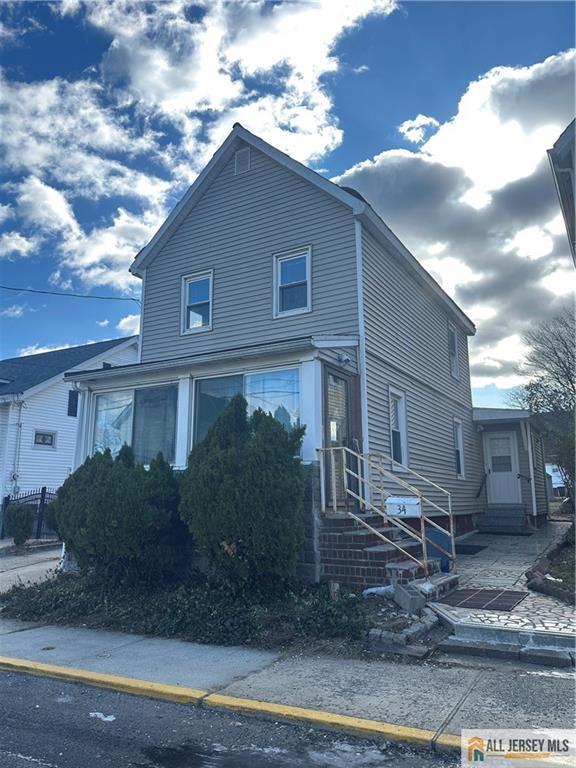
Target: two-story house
{"points": [[271, 281]]}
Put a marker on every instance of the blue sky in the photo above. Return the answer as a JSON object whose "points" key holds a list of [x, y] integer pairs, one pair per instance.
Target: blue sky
{"points": [[439, 112]]}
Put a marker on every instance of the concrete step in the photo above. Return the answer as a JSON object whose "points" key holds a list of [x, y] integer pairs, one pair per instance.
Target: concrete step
{"points": [[545, 657], [522, 633]]}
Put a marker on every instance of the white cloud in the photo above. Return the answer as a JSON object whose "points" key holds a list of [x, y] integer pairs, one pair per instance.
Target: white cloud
{"points": [[361, 69], [495, 137], [416, 130], [15, 245], [102, 257], [102, 323], [38, 349], [14, 311], [6, 212], [450, 272], [476, 203], [129, 325], [530, 243], [45, 207]]}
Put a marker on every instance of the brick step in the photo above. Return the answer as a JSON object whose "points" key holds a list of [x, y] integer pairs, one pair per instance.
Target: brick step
{"points": [[406, 571], [336, 521], [359, 537], [354, 576]]}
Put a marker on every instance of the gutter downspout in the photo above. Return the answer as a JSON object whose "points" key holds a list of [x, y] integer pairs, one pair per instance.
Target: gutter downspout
{"points": [[17, 444], [362, 344], [531, 465]]}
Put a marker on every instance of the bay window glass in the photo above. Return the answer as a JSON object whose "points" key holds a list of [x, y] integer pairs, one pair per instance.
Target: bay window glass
{"points": [[154, 423], [275, 392], [212, 397], [113, 422], [143, 418]]}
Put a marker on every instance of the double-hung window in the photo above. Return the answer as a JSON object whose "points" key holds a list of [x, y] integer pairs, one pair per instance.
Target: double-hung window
{"points": [[458, 448], [398, 439], [292, 284], [197, 303], [453, 352]]}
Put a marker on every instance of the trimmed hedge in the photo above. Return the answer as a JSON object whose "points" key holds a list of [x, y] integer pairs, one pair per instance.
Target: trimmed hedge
{"points": [[242, 496], [19, 522], [123, 520]]}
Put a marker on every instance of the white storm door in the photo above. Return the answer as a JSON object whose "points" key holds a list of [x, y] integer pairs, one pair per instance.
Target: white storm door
{"points": [[503, 483]]}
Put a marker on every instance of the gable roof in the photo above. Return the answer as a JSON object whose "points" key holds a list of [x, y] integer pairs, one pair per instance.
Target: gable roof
{"points": [[346, 195], [19, 374]]}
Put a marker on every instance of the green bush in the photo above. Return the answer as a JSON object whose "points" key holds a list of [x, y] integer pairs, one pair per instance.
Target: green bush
{"points": [[119, 518], [19, 522], [242, 496]]}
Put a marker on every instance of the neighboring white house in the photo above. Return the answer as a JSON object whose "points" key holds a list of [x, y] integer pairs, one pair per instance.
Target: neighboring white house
{"points": [[38, 412]]}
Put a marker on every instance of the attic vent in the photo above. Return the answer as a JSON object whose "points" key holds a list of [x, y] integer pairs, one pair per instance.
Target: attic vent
{"points": [[242, 161]]}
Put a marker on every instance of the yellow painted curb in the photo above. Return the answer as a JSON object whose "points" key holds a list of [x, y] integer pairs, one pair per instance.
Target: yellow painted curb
{"points": [[100, 680], [358, 725]]}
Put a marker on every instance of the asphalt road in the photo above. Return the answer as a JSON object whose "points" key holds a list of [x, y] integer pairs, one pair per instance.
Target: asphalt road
{"points": [[50, 724]]}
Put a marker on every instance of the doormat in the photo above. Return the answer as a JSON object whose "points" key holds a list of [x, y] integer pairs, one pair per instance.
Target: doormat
{"points": [[486, 599], [469, 549]]}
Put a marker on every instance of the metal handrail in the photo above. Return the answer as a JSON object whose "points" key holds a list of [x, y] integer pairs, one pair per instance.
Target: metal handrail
{"points": [[408, 469], [365, 465]]}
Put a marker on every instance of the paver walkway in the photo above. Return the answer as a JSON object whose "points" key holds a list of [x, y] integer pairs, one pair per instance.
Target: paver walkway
{"points": [[503, 564]]}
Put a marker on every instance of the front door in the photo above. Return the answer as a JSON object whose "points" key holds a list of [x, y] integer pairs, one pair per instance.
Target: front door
{"points": [[337, 428], [501, 456]]}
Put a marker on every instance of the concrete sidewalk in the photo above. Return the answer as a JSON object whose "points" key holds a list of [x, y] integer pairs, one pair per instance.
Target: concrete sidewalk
{"points": [[437, 699], [31, 567]]}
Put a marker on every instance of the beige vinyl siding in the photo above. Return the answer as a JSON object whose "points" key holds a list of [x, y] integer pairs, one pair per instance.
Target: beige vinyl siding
{"points": [[407, 349], [234, 230]]}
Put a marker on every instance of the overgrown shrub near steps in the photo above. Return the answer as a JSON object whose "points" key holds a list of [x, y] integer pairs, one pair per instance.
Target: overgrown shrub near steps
{"points": [[123, 520], [19, 522], [242, 496]]}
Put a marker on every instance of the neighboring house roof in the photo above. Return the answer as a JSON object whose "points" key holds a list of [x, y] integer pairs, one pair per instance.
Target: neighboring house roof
{"points": [[20, 374], [499, 414], [345, 195], [562, 162]]}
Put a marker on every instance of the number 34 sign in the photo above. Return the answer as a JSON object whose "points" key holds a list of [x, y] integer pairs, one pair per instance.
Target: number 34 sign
{"points": [[403, 506]]}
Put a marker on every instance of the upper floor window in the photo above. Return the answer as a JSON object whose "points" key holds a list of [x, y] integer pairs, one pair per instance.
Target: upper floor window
{"points": [[459, 448], [292, 284], [197, 303], [453, 352], [398, 437]]}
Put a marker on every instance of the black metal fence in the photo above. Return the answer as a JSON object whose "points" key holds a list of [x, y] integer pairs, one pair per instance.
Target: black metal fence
{"points": [[39, 498]]}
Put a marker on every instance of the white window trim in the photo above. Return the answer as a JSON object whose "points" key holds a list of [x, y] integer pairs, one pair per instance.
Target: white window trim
{"points": [[183, 301], [37, 447], [279, 257], [455, 374], [392, 391], [458, 423]]}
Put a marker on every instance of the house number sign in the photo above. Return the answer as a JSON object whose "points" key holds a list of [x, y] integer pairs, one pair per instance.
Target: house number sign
{"points": [[403, 506]]}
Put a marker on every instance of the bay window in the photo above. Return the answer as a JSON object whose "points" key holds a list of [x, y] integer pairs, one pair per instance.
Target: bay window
{"points": [[143, 418], [275, 392]]}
